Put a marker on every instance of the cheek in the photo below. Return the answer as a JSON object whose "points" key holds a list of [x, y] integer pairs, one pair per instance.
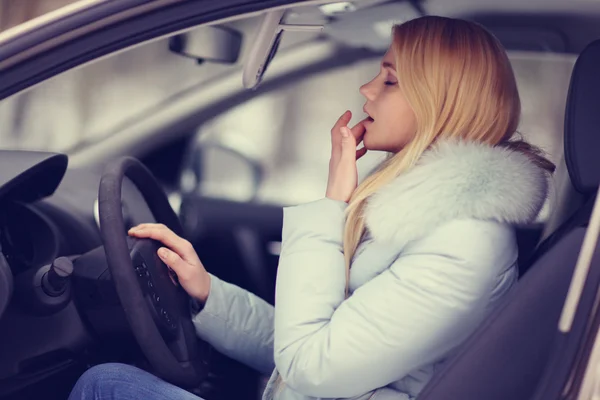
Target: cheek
{"points": [[403, 115], [405, 124], [394, 128]]}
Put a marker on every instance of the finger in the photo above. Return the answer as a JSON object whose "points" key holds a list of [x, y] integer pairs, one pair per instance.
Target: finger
{"points": [[143, 230], [141, 226], [361, 152], [342, 121], [348, 144], [358, 130], [167, 237], [164, 235], [174, 261]]}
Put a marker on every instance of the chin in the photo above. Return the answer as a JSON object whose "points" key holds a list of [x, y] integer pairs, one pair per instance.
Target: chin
{"points": [[368, 143], [374, 146], [368, 146]]}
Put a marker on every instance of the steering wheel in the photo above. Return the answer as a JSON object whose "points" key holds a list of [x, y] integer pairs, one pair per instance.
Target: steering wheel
{"points": [[156, 307]]}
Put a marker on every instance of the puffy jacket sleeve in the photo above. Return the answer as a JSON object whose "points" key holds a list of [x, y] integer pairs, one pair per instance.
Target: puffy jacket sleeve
{"points": [[238, 324], [412, 314]]}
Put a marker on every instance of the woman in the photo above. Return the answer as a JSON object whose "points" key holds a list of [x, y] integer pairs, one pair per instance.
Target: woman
{"points": [[379, 284]]}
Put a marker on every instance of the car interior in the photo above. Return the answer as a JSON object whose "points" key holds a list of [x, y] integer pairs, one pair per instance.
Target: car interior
{"points": [[523, 329], [212, 132]]}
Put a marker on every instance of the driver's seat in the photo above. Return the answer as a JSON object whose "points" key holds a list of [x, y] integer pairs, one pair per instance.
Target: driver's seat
{"points": [[506, 357]]}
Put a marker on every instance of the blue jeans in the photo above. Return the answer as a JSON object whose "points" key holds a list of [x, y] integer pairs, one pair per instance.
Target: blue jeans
{"points": [[114, 381]]}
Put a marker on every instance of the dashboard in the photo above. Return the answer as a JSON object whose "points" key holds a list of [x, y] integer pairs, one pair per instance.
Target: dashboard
{"points": [[28, 238], [47, 211], [25, 177]]}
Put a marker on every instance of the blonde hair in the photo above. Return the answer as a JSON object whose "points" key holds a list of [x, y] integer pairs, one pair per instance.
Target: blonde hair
{"points": [[458, 80]]}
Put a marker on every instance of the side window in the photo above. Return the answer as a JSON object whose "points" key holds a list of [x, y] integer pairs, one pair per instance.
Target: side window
{"points": [[285, 133], [543, 81]]}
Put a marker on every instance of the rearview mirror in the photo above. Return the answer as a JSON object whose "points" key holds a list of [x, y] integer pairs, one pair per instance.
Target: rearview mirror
{"points": [[208, 43]]}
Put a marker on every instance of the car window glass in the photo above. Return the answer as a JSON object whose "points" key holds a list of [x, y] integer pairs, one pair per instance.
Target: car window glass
{"points": [[87, 104]]}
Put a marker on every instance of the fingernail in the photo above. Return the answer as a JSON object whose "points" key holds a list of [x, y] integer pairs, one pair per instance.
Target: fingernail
{"points": [[163, 253]]}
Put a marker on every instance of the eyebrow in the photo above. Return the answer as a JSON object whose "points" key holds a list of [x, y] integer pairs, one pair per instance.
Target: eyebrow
{"points": [[387, 64]]}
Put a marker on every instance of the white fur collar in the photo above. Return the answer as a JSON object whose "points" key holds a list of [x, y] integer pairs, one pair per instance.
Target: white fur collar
{"points": [[457, 180]]}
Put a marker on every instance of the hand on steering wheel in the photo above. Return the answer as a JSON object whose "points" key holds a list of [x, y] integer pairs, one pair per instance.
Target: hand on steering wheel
{"points": [[180, 256], [158, 312]]}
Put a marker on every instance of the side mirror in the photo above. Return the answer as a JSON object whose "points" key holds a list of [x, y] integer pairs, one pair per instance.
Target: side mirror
{"points": [[216, 169], [208, 43]]}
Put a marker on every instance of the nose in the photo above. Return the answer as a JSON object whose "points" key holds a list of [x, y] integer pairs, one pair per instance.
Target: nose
{"points": [[368, 91]]}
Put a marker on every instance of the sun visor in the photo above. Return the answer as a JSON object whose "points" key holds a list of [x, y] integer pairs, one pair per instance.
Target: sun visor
{"points": [[27, 176], [371, 27], [266, 43]]}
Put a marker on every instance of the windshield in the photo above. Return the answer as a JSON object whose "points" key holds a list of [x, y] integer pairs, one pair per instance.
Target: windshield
{"points": [[84, 105]]}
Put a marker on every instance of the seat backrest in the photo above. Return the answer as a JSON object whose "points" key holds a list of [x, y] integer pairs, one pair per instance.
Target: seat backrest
{"points": [[581, 144], [506, 356]]}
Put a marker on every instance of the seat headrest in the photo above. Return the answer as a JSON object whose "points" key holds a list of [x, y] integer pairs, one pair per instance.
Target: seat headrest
{"points": [[582, 121]]}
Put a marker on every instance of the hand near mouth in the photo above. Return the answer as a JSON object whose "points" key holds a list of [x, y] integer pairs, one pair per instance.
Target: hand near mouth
{"points": [[343, 174]]}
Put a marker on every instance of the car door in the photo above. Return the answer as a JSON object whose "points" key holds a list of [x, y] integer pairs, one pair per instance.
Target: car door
{"points": [[572, 367]]}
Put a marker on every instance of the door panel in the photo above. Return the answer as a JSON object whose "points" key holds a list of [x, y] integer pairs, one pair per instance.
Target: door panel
{"points": [[236, 241]]}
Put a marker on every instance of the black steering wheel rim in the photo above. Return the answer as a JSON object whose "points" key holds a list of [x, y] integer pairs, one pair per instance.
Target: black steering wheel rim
{"points": [[190, 368]]}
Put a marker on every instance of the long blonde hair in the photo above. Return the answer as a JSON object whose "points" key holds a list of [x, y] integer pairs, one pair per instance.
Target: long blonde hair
{"points": [[458, 80]]}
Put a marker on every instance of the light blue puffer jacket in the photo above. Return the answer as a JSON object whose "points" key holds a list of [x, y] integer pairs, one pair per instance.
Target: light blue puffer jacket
{"points": [[439, 255]]}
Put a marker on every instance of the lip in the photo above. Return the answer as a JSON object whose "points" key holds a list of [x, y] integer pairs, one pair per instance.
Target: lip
{"points": [[368, 114]]}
